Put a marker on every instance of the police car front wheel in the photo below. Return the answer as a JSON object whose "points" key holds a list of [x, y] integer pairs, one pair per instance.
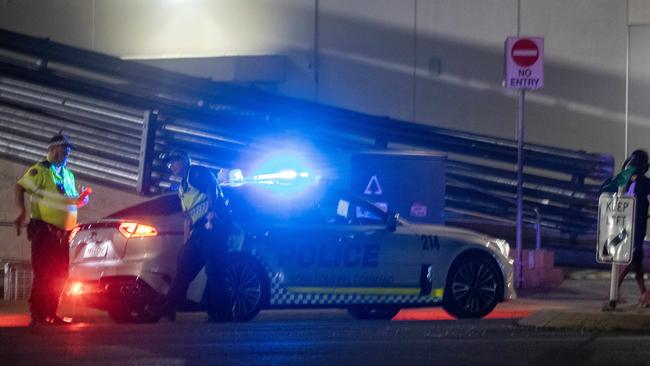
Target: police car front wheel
{"points": [[474, 286]]}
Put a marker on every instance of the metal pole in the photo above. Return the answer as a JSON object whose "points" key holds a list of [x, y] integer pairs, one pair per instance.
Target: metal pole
{"points": [[15, 295], [520, 178], [627, 90], [613, 287], [145, 159], [7, 281], [538, 229]]}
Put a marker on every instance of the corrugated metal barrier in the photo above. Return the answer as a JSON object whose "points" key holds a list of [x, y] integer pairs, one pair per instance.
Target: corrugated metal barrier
{"points": [[108, 136], [123, 115]]}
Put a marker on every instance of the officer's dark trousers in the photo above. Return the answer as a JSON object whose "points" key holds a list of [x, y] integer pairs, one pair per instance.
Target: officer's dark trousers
{"points": [[50, 263], [207, 248]]}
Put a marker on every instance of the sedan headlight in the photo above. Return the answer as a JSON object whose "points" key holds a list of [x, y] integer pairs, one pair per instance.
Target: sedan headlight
{"points": [[503, 246]]}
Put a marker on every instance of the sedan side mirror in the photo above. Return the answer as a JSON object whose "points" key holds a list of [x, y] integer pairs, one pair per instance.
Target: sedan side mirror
{"points": [[391, 223]]}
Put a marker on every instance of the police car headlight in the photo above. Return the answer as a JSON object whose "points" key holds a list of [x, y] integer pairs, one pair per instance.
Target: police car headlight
{"points": [[503, 246]]}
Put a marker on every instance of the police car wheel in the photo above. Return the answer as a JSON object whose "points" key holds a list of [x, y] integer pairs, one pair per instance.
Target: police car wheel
{"points": [[364, 312], [473, 287], [132, 314], [248, 285]]}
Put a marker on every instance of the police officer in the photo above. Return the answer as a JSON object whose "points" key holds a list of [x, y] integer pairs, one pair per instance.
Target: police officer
{"points": [[54, 202], [632, 178], [638, 186], [207, 228]]}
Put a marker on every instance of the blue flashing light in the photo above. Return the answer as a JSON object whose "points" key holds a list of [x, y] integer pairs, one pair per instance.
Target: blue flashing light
{"points": [[289, 174], [235, 178], [286, 177], [281, 175]]}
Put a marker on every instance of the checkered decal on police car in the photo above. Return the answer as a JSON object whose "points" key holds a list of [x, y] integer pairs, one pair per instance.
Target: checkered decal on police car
{"points": [[282, 297]]}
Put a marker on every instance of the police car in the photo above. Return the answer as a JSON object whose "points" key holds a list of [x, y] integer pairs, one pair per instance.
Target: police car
{"points": [[330, 249]]}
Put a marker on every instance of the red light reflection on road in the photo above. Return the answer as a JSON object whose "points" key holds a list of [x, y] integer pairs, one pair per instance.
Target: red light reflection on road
{"points": [[22, 320], [14, 320], [440, 314]]}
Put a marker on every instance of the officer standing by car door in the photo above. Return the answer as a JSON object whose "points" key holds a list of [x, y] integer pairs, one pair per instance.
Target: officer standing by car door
{"points": [[54, 202], [207, 228]]}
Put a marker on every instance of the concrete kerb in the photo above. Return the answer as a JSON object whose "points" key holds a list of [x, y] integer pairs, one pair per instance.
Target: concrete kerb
{"points": [[631, 320], [578, 304]]}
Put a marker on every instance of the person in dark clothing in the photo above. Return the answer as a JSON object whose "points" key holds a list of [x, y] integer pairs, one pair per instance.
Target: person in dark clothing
{"points": [[207, 228], [633, 179]]}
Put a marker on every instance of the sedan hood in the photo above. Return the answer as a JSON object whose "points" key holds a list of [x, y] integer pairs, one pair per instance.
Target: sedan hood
{"points": [[447, 232]]}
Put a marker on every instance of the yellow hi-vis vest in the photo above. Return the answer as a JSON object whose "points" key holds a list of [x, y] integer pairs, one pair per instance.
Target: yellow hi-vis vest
{"points": [[193, 201], [52, 195]]}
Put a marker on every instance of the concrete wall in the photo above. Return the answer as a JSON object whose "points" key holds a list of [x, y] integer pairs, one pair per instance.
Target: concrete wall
{"points": [[104, 201], [639, 88], [438, 62]]}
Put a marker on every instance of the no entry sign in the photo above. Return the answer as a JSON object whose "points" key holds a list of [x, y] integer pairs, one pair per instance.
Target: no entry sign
{"points": [[524, 52], [524, 62]]}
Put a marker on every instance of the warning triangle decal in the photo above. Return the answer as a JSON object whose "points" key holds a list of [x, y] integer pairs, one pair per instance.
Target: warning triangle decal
{"points": [[373, 186]]}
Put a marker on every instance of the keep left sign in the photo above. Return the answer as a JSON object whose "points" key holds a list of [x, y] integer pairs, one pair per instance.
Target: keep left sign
{"points": [[524, 58]]}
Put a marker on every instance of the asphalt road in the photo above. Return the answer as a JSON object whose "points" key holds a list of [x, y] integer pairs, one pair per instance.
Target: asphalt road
{"points": [[324, 337]]}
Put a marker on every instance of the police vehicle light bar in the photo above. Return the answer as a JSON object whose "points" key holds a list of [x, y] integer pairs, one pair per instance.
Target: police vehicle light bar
{"points": [[283, 177]]}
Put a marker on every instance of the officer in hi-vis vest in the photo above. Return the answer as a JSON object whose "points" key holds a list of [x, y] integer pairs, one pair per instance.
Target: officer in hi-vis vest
{"points": [[54, 202], [207, 228]]}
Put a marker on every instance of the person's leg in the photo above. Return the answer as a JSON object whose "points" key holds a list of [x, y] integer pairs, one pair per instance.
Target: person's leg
{"points": [[39, 300], [621, 276], [60, 267], [190, 262], [638, 267], [39, 283], [219, 302], [639, 279]]}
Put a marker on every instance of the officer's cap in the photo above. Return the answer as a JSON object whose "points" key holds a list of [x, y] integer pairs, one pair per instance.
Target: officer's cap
{"points": [[60, 139], [178, 155]]}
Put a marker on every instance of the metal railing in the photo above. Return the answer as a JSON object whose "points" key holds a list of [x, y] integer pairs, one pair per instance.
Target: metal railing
{"points": [[18, 278]]}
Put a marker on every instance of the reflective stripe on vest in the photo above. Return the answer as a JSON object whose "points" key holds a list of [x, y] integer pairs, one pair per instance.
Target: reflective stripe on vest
{"points": [[194, 202], [52, 195]]}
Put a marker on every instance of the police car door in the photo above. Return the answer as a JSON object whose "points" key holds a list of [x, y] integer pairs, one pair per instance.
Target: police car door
{"points": [[398, 257], [317, 253], [351, 251]]}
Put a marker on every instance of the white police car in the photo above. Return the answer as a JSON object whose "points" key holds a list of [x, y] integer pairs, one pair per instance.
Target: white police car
{"points": [[331, 249]]}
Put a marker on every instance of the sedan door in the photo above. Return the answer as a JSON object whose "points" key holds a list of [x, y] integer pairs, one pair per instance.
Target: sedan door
{"points": [[343, 246]]}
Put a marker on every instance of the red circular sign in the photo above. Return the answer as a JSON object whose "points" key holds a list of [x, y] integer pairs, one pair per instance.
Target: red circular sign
{"points": [[524, 52]]}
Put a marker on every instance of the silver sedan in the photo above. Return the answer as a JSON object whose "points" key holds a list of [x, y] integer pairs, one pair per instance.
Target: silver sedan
{"points": [[331, 250]]}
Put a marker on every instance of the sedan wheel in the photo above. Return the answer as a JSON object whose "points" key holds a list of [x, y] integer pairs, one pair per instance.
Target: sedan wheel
{"points": [[248, 286], [473, 288]]}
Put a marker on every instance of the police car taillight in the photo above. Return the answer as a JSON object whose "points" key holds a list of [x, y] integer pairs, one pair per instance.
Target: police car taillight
{"points": [[137, 230], [75, 289]]}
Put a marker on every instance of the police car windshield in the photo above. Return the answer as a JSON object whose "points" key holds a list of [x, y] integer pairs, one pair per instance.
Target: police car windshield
{"points": [[348, 209], [324, 206]]}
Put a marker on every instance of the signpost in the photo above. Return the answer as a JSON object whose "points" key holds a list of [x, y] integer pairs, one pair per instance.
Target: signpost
{"points": [[524, 59], [615, 235], [525, 63]]}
